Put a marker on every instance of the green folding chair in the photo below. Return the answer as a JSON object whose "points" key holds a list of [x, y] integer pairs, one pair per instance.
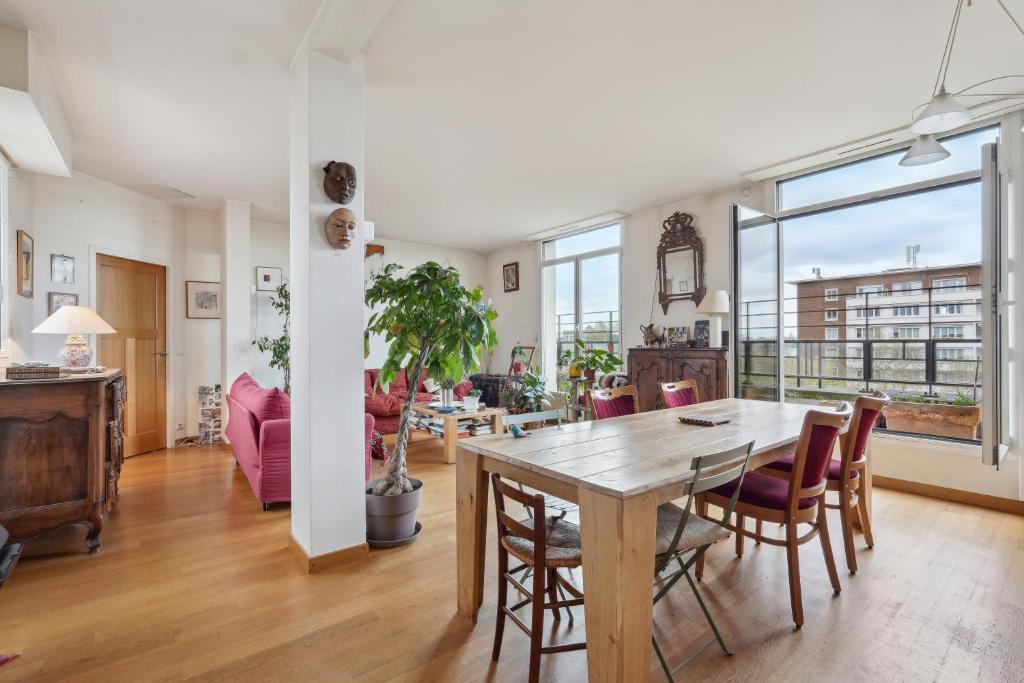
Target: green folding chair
{"points": [[681, 531]]}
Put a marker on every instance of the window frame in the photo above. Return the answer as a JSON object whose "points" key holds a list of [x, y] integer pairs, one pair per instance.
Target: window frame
{"points": [[831, 315], [6, 295], [831, 294], [829, 332]]}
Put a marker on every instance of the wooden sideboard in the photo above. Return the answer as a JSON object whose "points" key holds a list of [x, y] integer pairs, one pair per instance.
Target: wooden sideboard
{"points": [[61, 448], [649, 366]]}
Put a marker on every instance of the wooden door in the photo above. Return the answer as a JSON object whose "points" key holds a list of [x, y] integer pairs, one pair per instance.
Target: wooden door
{"points": [[132, 298]]}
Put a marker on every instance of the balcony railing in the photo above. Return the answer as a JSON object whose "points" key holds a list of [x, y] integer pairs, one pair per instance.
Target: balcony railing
{"points": [[597, 330]]}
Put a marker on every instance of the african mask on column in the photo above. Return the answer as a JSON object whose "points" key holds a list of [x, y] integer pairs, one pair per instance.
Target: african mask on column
{"points": [[340, 228], [340, 181]]}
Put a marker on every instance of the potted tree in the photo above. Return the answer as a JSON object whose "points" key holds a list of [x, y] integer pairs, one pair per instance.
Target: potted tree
{"points": [[280, 347], [430, 322]]}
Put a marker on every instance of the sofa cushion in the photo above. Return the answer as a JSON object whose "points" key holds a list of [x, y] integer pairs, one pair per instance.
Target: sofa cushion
{"points": [[382, 405], [264, 404]]}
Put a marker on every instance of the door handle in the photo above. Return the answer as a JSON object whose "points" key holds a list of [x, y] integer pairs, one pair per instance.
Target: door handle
{"points": [[162, 354]]}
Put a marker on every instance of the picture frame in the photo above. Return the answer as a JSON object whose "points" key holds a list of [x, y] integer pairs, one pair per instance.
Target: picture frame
{"points": [[520, 352], [57, 300], [203, 300], [268, 278], [26, 264], [510, 276], [62, 269]]}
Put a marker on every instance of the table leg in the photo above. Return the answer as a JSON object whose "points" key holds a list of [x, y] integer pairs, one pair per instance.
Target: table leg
{"points": [[618, 574], [451, 438], [496, 423], [470, 531]]}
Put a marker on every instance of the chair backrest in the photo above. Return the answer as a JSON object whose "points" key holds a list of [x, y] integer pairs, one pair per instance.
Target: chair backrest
{"points": [[510, 526], [710, 471], [540, 416], [680, 394], [865, 414], [614, 402], [814, 452]]}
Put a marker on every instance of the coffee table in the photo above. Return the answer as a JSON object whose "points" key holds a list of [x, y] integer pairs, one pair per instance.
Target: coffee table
{"points": [[451, 424]]}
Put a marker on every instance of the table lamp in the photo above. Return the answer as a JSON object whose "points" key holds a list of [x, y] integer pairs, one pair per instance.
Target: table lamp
{"points": [[76, 322], [716, 306]]}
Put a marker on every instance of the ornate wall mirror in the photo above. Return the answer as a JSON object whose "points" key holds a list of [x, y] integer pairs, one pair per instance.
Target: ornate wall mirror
{"points": [[680, 262]]}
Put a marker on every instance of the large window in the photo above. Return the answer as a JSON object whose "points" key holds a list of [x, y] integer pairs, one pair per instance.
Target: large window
{"points": [[5, 295], [580, 294]]}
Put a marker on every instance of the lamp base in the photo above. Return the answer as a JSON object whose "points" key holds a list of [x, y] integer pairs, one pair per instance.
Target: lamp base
{"points": [[76, 352]]}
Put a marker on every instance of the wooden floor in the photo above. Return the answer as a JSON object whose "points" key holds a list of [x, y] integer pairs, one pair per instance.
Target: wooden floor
{"points": [[195, 582]]}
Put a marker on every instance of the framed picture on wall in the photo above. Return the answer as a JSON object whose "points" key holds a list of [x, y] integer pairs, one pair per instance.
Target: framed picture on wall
{"points": [[58, 300], [62, 269], [202, 299], [26, 264], [268, 278], [510, 276]]}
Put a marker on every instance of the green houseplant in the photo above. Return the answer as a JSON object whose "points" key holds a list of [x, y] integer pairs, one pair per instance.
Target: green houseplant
{"points": [[525, 393], [429, 321], [280, 347], [591, 360]]}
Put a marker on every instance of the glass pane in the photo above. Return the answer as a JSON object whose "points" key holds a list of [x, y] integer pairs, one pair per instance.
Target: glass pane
{"points": [[757, 310], [580, 243], [881, 172], [558, 286], [599, 303]]}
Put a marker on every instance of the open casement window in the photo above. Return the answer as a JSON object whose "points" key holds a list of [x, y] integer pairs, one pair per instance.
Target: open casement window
{"points": [[996, 311]]}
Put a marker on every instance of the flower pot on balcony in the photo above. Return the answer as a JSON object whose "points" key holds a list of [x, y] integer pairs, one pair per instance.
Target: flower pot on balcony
{"points": [[957, 422], [590, 373]]}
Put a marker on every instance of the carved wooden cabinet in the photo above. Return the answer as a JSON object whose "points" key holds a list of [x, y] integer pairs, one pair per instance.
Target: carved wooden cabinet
{"points": [[61, 447], [649, 366]]}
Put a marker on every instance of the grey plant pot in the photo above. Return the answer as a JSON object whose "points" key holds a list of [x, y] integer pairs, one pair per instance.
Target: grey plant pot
{"points": [[392, 518]]}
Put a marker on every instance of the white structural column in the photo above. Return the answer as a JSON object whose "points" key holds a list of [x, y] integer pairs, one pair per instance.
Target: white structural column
{"points": [[236, 283], [326, 123]]}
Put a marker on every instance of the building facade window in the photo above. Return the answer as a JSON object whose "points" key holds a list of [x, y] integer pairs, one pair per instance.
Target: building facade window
{"points": [[831, 314], [870, 289], [832, 294], [831, 333], [949, 309], [905, 288], [906, 311], [950, 284], [907, 333], [948, 332]]}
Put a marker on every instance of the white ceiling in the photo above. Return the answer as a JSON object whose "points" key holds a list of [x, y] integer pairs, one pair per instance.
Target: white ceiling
{"points": [[489, 120]]}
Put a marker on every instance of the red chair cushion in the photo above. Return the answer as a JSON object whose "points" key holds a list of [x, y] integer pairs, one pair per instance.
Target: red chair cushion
{"points": [[264, 404], [680, 398], [763, 491], [620, 405], [383, 405], [867, 423], [835, 467]]}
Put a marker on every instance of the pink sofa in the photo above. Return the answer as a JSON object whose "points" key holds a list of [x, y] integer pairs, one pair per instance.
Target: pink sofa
{"points": [[386, 406], [259, 428]]}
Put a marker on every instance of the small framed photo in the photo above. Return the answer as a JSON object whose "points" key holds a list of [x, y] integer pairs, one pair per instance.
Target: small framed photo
{"points": [[202, 299], [268, 279], [510, 276], [62, 269], [58, 300], [26, 264]]}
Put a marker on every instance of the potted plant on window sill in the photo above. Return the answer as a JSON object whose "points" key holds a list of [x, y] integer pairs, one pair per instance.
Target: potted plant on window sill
{"points": [[590, 361], [430, 322], [957, 418], [525, 393]]}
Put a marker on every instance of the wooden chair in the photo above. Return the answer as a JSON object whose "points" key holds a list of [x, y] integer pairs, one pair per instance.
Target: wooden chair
{"points": [[680, 532], [798, 499], [679, 394], [845, 474], [605, 403], [544, 548], [562, 506]]}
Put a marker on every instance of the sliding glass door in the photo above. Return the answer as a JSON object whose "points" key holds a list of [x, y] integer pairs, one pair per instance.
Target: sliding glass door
{"points": [[755, 315]]}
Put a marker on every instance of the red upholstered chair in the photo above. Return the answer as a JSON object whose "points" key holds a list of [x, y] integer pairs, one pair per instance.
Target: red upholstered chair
{"points": [[799, 499], [680, 394], [607, 403], [845, 474]]}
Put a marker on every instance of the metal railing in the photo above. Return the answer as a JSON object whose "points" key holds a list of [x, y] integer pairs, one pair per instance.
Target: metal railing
{"points": [[597, 329]]}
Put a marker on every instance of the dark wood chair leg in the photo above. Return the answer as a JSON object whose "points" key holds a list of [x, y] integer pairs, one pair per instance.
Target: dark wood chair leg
{"points": [[739, 535], [793, 564], [845, 516], [826, 546], [537, 624], [499, 622]]}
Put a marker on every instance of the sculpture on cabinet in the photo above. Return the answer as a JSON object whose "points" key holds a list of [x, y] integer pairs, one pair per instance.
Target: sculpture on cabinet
{"points": [[680, 261], [340, 228], [340, 181]]}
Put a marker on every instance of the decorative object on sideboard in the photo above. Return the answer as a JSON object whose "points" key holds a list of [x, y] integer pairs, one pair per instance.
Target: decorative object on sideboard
{"points": [[62, 269], [202, 299], [340, 228], [340, 181], [716, 306], [58, 300], [649, 367], [510, 276], [268, 278], [680, 262], [653, 335], [701, 334], [677, 335], [76, 322], [26, 264], [32, 370]]}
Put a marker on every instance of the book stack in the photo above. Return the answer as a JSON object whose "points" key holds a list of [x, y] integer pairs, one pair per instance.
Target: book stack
{"points": [[32, 370], [480, 427]]}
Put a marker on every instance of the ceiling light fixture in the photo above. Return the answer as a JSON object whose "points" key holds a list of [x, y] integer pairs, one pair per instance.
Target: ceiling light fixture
{"points": [[944, 112]]}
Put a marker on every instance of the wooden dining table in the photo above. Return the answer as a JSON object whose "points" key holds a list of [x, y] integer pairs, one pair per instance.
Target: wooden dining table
{"points": [[618, 471]]}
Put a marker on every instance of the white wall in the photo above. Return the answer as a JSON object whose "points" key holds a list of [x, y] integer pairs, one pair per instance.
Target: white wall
{"points": [[518, 312], [202, 337], [472, 267], [268, 247]]}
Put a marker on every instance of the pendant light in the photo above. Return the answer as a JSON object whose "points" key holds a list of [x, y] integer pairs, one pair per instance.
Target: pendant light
{"points": [[925, 150], [942, 114]]}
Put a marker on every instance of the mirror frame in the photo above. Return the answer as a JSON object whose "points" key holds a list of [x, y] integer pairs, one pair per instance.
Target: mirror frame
{"points": [[678, 234]]}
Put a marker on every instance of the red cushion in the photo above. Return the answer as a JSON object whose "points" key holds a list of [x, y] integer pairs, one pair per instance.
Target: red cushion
{"points": [[835, 467], [763, 491], [819, 454], [424, 397], [264, 404], [399, 383], [382, 405], [368, 383], [615, 407], [680, 397], [867, 423]]}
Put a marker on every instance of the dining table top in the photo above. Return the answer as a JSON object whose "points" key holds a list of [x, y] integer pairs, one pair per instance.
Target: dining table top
{"points": [[629, 455]]}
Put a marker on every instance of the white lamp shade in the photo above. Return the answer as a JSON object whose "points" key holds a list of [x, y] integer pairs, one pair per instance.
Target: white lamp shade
{"points": [[942, 114], [715, 303], [925, 150], [74, 320]]}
